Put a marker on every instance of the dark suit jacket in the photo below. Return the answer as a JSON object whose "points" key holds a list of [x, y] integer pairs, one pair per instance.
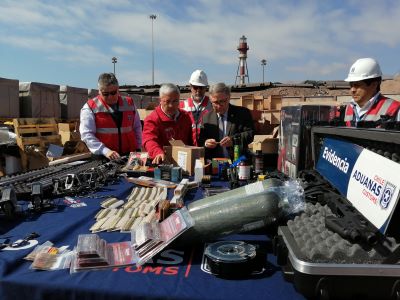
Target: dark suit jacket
{"points": [[239, 123]]}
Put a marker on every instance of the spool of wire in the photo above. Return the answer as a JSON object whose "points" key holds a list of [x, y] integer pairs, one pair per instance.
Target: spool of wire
{"points": [[231, 259]]}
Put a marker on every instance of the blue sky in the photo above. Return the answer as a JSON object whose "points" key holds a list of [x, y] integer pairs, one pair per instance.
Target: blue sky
{"points": [[72, 42]]}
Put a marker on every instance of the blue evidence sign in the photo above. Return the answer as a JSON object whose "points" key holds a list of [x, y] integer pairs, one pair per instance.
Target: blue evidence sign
{"points": [[336, 161], [368, 180]]}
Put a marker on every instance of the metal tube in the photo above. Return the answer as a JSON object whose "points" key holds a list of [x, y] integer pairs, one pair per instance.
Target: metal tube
{"points": [[247, 208]]}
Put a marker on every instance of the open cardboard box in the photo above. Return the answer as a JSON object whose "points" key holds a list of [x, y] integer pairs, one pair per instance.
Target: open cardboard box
{"points": [[266, 143], [183, 156], [67, 133]]}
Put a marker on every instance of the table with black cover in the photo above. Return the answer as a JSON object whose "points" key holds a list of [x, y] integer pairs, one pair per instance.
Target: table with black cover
{"points": [[176, 273]]}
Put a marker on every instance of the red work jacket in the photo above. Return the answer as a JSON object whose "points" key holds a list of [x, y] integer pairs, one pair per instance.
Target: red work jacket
{"points": [[159, 129]]}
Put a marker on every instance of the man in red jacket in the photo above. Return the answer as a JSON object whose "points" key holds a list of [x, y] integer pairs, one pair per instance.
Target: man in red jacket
{"points": [[109, 122], [368, 104], [167, 122]]}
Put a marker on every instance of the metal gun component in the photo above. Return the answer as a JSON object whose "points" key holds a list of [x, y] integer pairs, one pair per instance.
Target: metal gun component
{"points": [[37, 195], [349, 223], [89, 178], [71, 179], [56, 185], [8, 202]]}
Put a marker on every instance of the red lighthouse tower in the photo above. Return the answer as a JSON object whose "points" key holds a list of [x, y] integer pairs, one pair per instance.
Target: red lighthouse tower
{"points": [[242, 71]]}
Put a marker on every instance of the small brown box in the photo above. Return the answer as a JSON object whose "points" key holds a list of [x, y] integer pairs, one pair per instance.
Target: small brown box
{"points": [[265, 143], [183, 156]]}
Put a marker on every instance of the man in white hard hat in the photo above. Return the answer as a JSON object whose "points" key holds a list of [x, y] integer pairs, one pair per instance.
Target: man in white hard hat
{"points": [[198, 104], [368, 104]]}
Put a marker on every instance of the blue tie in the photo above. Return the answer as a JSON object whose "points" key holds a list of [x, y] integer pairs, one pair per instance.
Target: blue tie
{"points": [[221, 126]]}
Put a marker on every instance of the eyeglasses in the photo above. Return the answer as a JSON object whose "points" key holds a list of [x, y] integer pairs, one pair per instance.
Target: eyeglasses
{"points": [[106, 94]]}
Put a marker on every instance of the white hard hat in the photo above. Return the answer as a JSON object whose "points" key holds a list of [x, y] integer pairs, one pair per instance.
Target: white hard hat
{"points": [[364, 68], [198, 78]]}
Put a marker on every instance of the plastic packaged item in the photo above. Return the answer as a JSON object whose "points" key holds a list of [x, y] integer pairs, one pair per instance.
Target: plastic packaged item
{"points": [[150, 239], [198, 170], [247, 208]]}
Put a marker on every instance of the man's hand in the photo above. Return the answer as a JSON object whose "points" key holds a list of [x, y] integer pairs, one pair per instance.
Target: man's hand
{"points": [[226, 142], [112, 155], [158, 159], [210, 143]]}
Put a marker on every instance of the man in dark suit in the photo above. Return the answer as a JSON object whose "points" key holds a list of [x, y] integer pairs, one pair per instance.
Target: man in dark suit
{"points": [[224, 123]]}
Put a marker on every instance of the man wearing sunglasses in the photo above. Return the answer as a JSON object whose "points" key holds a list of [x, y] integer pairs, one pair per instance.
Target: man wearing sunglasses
{"points": [[198, 104], [223, 123], [109, 122], [167, 122]]}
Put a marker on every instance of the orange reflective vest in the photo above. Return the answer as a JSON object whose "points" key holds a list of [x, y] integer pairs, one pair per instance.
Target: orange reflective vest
{"points": [[382, 106], [121, 139]]}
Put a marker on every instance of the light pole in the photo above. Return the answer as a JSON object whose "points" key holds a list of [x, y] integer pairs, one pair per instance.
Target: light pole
{"points": [[114, 61], [152, 17], [263, 63]]}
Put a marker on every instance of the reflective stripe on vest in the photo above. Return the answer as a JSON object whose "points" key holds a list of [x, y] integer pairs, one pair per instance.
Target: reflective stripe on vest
{"points": [[370, 115], [349, 113], [114, 130], [102, 108], [382, 111]]}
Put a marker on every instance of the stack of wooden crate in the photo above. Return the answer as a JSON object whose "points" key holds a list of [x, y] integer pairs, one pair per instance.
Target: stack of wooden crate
{"points": [[272, 106], [39, 132], [269, 107]]}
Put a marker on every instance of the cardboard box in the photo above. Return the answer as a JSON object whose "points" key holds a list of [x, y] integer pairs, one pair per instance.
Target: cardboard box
{"points": [[37, 161], [266, 143], [183, 156], [68, 133]]}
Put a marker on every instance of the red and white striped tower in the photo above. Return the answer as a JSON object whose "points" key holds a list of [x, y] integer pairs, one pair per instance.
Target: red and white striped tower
{"points": [[242, 71]]}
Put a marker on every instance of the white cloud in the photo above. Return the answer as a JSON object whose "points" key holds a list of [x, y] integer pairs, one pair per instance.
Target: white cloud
{"points": [[310, 37], [314, 68], [122, 51]]}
